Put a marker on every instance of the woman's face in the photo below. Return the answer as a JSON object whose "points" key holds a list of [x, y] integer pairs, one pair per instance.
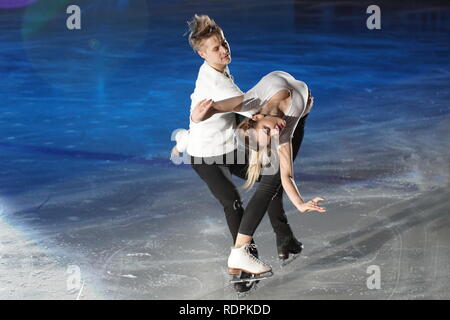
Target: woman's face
{"points": [[266, 127]]}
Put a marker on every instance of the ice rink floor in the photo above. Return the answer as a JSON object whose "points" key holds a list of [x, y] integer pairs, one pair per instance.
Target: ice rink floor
{"points": [[92, 208]]}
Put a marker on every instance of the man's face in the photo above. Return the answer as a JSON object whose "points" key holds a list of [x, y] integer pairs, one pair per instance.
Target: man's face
{"points": [[216, 51]]}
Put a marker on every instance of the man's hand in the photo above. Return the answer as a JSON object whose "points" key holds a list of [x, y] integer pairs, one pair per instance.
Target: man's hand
{"points": [[311, 205], [203, 110]]}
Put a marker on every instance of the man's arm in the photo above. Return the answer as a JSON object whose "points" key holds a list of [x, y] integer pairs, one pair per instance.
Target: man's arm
{"points": [[233, 104], [205, 109], [226, 96]]}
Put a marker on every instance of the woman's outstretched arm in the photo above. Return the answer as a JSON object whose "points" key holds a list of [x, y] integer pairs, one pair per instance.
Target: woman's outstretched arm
{"points": [[289, 185], [205, 109]]}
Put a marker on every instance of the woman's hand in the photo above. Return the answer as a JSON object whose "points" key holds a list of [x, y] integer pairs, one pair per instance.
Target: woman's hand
{"points": [[203, 110], [311, 205]]}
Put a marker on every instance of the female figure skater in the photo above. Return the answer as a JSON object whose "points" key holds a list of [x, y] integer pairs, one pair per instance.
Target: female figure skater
{"points": [[280, 104]]}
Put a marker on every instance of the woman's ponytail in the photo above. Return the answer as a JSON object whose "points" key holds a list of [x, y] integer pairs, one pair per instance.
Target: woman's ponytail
{"points": [[254, 169]]}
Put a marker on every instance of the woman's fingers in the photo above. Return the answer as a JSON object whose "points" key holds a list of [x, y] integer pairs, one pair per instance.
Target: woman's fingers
{"points": [[201, 102], [318, 210], [199, 105], [206, 104], [317, 199], [201, 109], [313, 207]]}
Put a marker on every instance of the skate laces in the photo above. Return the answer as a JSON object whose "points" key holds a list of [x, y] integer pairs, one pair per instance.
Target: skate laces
{"points": [[253, 246]]}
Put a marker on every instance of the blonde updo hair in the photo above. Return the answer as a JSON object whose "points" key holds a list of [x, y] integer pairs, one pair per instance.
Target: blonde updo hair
{"points": [[258, 156], [201, 28]]}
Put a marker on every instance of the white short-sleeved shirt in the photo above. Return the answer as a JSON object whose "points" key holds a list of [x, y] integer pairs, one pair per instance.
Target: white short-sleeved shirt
{"points": [[214, 136]]}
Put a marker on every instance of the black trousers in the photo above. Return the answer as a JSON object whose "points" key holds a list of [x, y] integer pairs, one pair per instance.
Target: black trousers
{"points": [[218, 178]]}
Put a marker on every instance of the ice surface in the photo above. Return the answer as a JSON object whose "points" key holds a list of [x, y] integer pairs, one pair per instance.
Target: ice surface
{"points": [[85, 180]]}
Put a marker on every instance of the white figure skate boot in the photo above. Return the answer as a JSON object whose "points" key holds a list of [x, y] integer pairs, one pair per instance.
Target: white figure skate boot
{"points": [[241, 259]]}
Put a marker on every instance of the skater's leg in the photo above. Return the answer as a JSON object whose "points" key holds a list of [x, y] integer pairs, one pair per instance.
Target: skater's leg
{"points": [[240, 166], [275, 210], [277, 215], [259, 203], [240, 258], [218, 179], [242, 239], [261, 200], [297, 138]]}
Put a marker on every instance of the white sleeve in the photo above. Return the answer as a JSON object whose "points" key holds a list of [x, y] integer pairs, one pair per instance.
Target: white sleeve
{"points": [[233, 91], [224, 89], [193, 103], [251, 103], [247, 114]]}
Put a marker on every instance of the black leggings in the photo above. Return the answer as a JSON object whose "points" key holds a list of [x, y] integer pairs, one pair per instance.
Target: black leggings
{"points": [[269, 188], [268, 196], [218, 179]]}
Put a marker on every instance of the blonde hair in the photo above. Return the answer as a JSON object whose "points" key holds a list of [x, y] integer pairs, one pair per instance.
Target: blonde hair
{"points": [[201, 28], [258, 158]]}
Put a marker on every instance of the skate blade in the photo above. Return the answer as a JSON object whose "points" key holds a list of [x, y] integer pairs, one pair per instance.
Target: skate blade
{"points": [[243, 288], [252, 278], [252, 288], [285, 262]]}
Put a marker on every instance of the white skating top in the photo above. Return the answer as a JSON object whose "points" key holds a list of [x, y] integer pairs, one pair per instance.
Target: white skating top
{"points": [[267, 87]]}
